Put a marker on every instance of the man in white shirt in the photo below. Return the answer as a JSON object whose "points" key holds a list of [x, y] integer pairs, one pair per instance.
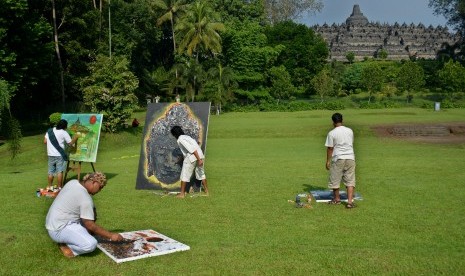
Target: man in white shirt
{"points": [[340, 160], [193, 159], [56, 160], [71, 219]]}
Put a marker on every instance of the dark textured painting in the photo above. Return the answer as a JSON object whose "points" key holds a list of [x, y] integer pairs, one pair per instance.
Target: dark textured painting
{"points": [[161, 159], [140, 244]]}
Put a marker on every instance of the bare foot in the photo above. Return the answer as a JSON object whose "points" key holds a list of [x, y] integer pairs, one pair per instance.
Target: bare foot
{"points": [[180, 196], [66, 250]]}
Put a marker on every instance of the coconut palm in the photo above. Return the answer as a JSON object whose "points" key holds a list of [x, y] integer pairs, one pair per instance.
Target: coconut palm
{"points": [[199, 30], [223, 77], [171, 9], [191, 75]]}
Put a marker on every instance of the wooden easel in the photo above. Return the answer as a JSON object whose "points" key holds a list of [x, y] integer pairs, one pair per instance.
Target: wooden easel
{"points": [[75, 168]]}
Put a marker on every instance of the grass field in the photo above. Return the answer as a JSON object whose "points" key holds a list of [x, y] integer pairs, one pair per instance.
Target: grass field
{"points": [[409, 223]]}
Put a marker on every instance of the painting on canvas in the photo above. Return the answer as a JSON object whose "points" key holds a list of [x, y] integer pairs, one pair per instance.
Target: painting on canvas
{"points": [[87, 126], [140, 244], [160, 160]]}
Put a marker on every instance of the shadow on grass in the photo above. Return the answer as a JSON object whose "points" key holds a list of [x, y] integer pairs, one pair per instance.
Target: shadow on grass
{"points": [[308, 188]]}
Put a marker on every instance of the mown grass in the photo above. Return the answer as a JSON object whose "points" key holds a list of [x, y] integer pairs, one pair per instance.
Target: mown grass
{"points": [[409, 223]]}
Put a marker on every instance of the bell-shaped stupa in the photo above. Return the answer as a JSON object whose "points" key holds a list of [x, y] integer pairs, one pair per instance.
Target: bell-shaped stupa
{"points": [[357, 17]]}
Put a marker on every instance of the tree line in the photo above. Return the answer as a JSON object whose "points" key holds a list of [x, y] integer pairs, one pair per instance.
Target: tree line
{"points": [[109, 56]]}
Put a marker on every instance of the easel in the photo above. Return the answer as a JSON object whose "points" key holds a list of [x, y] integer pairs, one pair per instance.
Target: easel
{"points": [[75, 168]]}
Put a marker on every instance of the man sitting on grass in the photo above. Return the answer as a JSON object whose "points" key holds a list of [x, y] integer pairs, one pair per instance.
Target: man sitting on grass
{"points": [[71, 218]]}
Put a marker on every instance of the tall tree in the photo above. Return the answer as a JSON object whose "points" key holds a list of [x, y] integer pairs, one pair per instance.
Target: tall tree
{"points": [[305, 52], [285, 10], [199, 30], [323, 84], [171, 10], [58, 54], [410, 77], [223, 81], [25, 51], [236, 11], [109, 89], [454, 12], [280, 83], [191, 75], [452, 77], [246, 51], [372, 79]]}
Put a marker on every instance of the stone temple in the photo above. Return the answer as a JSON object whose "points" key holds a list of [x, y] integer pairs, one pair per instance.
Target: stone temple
{"points": [[366, 39]]}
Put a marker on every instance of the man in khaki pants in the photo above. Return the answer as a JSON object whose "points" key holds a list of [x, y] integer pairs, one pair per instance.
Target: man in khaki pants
{"points": [[340, 160]]}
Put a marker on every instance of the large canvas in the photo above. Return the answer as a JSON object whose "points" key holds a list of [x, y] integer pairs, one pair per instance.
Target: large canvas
{"points": [[140, 244], [88, 127], [160, 157]]}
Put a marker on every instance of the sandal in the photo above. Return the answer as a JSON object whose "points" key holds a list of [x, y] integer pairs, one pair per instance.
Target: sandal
{"points": [[350, 206], [334, 202]]}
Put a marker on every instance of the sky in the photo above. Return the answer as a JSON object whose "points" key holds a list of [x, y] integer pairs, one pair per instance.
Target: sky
{"points": [[382, 11]]}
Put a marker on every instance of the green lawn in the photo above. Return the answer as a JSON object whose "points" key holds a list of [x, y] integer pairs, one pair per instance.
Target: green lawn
{"points": [[409, 223]]}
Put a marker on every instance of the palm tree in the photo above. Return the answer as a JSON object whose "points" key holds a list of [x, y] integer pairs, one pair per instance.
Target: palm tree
{"points": [[191, 74], [224, 81], [199, 29], [171, 9]]}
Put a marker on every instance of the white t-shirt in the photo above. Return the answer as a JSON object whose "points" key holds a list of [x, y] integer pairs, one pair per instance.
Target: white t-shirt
{"points": [[62, 138], [72, 203], [188, 146], [341, 139]]}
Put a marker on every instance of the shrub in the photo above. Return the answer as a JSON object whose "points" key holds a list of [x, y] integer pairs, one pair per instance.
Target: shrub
{"points": [[54, 118]]}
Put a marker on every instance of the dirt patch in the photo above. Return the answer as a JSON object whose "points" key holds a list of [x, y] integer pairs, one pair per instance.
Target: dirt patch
{"points": [[444, 133]]}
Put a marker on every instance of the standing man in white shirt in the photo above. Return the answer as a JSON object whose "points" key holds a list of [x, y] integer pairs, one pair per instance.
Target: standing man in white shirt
{"points": [[340, 160], [56, 151], [193, 159]]}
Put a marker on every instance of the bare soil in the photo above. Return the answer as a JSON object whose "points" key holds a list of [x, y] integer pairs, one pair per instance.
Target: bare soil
{"points": [[440, 133]]}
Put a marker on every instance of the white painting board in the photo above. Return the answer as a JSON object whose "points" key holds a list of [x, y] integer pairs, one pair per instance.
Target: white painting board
{"points": [[142, 244]]}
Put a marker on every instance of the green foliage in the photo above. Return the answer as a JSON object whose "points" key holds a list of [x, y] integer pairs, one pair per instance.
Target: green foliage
{"points": [[323, 84], [372, 78], [410, 78], [219, 88], [382, 54], [191, 77], [350, 56], [11, 130], [352, 77], [237, 11], [452, 77], [25, 51], [304, 53], [281, 84], [110, 90], [54, 118], [247, 53], [291, 106], [199, 30]]}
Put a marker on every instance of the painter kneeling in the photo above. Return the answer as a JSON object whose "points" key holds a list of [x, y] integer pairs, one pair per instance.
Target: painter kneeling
{"points": [[71, 218]]}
